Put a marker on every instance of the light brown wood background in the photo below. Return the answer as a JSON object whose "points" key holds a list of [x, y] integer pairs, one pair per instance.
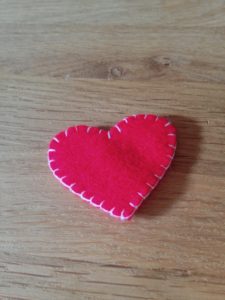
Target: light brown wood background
{"points": [[68, 62]]}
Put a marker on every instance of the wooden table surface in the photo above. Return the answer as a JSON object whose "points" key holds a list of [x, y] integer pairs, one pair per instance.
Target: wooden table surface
{"points": [[69, 62]]}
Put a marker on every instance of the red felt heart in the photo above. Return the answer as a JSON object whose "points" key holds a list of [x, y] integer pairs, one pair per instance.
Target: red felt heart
{"points": [[114, 170]]}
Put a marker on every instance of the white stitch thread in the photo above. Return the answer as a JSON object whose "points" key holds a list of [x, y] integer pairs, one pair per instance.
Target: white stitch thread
{"points": [[88, 129], [63, 183], [115, 216], [72, 191], [171, 146], [66, 132], [100, 131], [122, 217], [117, 127], [167, 124], [71, 186], [164, 167], [103, 209], [50, 161], [134, 206], [85, 199], [171, 156], [95, 204], [51, 150], [157, 176], [111, 211], [127, 217], [140, 194], [125, 120], [55, 139], [146, 196], [172, 134], [109, 136], [54, 171], [151, 186]]}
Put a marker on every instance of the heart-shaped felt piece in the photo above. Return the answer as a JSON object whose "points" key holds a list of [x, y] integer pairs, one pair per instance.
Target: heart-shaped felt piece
{"points": [[114, 170]]}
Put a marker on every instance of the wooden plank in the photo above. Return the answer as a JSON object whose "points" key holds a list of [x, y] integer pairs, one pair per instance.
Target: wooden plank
{"points": [[176, 40]]}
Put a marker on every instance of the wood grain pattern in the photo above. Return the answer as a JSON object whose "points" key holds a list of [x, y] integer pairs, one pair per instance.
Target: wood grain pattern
{"points": [[94, 62]]}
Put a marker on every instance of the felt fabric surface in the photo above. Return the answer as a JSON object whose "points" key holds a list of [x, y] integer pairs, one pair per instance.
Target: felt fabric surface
{"points": [[114, 170]]}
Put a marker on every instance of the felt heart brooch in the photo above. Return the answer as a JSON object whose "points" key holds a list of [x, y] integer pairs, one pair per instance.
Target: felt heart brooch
{"points": [[114, 170]]}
